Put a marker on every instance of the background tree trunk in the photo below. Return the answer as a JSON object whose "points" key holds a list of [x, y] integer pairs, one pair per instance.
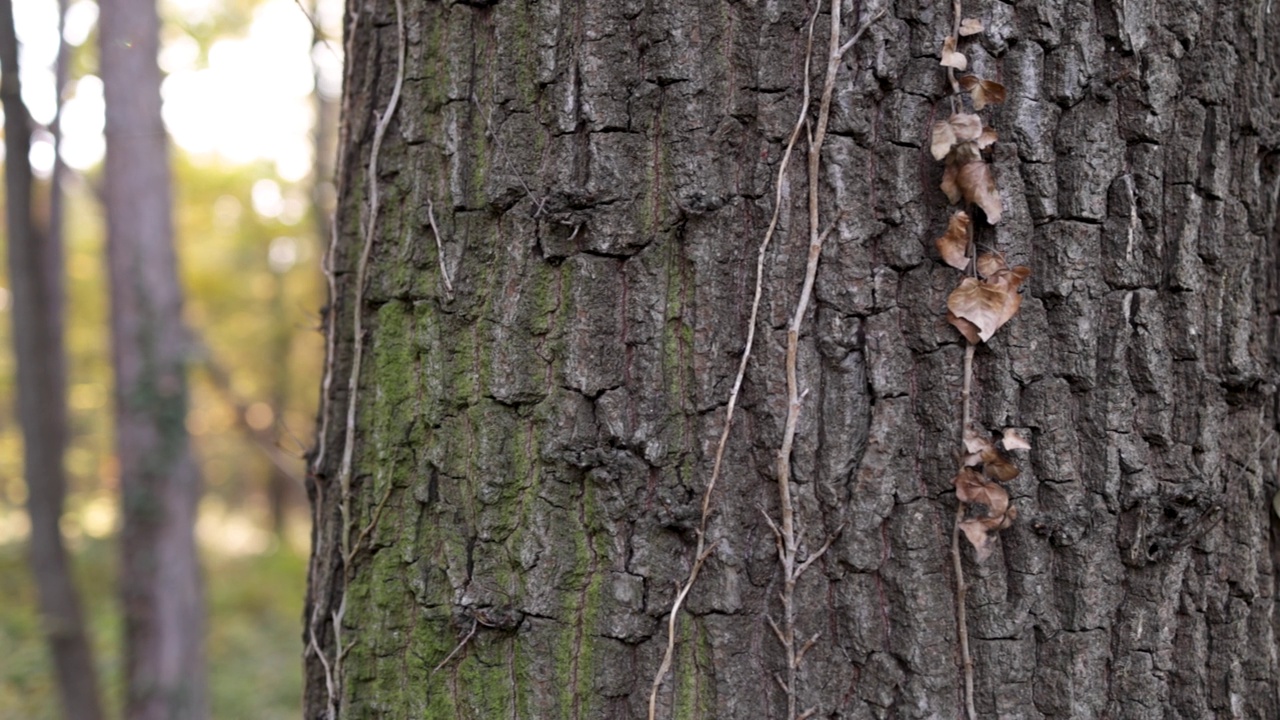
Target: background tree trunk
{"points": [[530, 449], [160, 482], [36, 279]]}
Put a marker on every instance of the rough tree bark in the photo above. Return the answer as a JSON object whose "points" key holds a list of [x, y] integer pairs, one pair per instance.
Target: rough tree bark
{"points": [[35, 277], [528, 451], [159, 480]]}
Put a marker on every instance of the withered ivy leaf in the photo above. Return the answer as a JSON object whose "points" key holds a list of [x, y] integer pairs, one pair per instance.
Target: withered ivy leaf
{"points": [[991, 263], [986, 139], [983, 92], [976, 533], [997, 467], [1009, 281], [989, 303], [957, 129], [975, 443], [980, 304], [944, 138], [973, 488], [970, 26], [982, 451], [967, 126], [950, 57], [954, 243], [949, 186], [966, 328], [1013, 441], [979, 187]]}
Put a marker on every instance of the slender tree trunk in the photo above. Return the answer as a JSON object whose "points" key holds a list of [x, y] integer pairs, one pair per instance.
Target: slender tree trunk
{"points": [[544, 274], [160, 482], [35, 278], [281, 487], [57, 197]]}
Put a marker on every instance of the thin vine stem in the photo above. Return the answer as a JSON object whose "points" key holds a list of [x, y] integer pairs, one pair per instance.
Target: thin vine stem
{"points": [[702, 551], [962, 623]]}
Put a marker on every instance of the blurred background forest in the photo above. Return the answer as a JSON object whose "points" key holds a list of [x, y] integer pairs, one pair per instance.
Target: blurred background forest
{"points": [[250, 100]]}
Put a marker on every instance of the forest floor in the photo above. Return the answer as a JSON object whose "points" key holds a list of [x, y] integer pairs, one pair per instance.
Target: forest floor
{"points": [[254, 637]]}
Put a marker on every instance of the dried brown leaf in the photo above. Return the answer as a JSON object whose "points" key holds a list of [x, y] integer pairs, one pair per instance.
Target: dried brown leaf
{"points": [[1007, 521], [949, 187], [991, 263], [975, 531], [998, 467], [993, 93], [986, 139], [953, 245], [1009, 281], [970, 26], [944, 138], [950, 57], [967, 126], [980, 304], [975, 443], [1013, 441], [966, 328], [979, 187], [989, 303], [983, 92], [973, 488]]}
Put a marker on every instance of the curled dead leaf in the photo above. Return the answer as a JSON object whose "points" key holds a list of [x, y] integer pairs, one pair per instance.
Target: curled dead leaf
{"points": [[975, 443], [979, 187], [986, 139], [983, 92], [970, 26], [991, 263], [966, 328], [995, 464], [980, 304], [1009, 281], [951, 58], [967, 126], [944, 138], [997, 467], [972, 488], [953, 245], [975, 531], [949, 186], [989, 303], [1013, 441], [978, 531], [957, 129]]}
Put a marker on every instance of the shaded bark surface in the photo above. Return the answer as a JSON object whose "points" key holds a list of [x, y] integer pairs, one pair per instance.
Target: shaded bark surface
{"points": [[531, 449], [35, 278], [160, 579]]}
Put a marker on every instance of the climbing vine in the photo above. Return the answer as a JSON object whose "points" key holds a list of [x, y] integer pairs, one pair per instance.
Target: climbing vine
{"points": [[786, 529], [986, 298]]}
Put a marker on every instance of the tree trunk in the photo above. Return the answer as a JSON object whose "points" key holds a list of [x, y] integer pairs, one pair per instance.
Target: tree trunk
{"points": [[35, 277], [522, 412], [160, 483]]}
